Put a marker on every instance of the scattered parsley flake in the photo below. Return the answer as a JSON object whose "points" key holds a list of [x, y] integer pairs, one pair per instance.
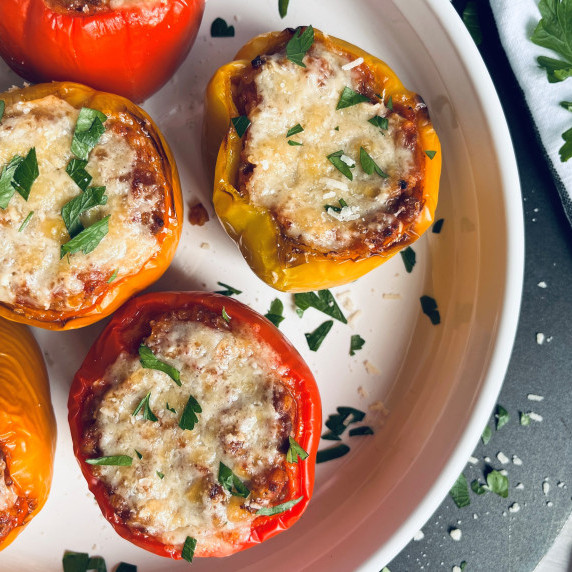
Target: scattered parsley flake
{"points": [[113, 276], [471, 20], [524, 419], [498, 483], [294, 130], [76, 170], [323, 301], [88, 239], [566, 105], [2, 107], [225, 316], [278, 509], [116, 460], [171, 409], [381, 122], [124, 567], [293, 143], [228, 290], [148, 360], [331, 436], [299, 44], [88, 130], [356, 343], [429, 307], [316, 337], [26, 221], [338, 422], [566, 150], [502, 417], [189, 549], [438, 225], [431, 154], [139, 455], [332, 453], [283, 7], [478, 488], [148, 415], [275, 312], [241, 124], [389, 103], [409, 258], [189, 417], [220, 29], [7, 188], [72, 210], [460, 492], [26, 173], [359, 431], [349, 97], [231, 482], [556, 70], [339, 164], [487, 434], [369, 165], [295, 452]]}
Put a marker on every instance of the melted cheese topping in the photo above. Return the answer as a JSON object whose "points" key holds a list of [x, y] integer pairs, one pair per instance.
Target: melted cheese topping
{"points": [[297, 182], [31, 271], [233, 380]]}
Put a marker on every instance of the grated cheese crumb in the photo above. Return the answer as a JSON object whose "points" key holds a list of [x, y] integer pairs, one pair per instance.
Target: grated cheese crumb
{"points": [[353, 317], [550, 503], [205, 245], [362, 392], [535, 416], [533, 397], [391, 296], [370, 368], [418, 536], [545, 488], [352, 65], [379, 406], [542, 284], [520, 486], [540, 337], [473, 460], [502, 458], [514, 507], [455, 534], [516, 460]]}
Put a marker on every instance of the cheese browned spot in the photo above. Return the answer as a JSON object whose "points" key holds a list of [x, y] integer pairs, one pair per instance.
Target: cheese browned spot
{"points": [[125, 162], [295, 183], [246, 419]]}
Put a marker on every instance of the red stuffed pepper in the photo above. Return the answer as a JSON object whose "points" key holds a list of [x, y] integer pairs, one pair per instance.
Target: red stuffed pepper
{"points": [[128, 47], [196, 424]]}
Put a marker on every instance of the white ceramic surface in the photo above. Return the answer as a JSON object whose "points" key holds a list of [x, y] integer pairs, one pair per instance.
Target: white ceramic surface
{"points": [[438, 383]]}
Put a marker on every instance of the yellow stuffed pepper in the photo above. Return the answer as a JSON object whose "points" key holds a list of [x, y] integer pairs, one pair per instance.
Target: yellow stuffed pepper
{"points": [[324, 165]]}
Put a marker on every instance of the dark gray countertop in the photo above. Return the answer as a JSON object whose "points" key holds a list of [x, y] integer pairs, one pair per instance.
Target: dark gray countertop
{"points": [[498, 534]]}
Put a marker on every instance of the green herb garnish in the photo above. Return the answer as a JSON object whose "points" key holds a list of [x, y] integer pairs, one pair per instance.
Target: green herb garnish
{"points": [[124, 567], [338, 422], [566, 105], [283, 7], [147, 413], [340, 165], [88, 129], [220, 29], [139, 455], [502, 417], [524, 419], [299, 44], [171, 409], [389, 103], [225, 316], [189, 548], [431, 154], [471, 20], [71, 211], [330, 436], [316, 337], [409, 258], [75, 561], [117, 460], [228, 290], [7, 188], [381, 122], [429, 307], [2, 107], [293, 143], [189, 417], [149, 361], [438, 225], [113, 276], [275, 312], [332, 453], [478, 488], [369, 165], [88, 239], [26, 173], [556, 70], [349, 97], [566, 149], [498, 483], [76, 170], [26, 221], [160, 475], [295, 452], [487, 434], [241, 124], [460, 492], [279, 508], [359, 431], [356, 343], [323, 301], [231, 482], [294, 130]]}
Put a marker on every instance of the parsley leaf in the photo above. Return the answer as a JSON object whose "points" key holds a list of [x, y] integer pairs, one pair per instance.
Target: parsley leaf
{"points": [[113, 276], [356, 343], [566, 105], [498, 483], [293, 143], [359, 431], [336, 160], [554, 31], [160, 475], [145, 405], [88, 129], [460, 492], [279, 508], [524, 419], [76, 170], [316, 337], [241, 124], [7, 189], [487, 434], [477, 488], [332, 453], [26, 221], [323, 301], [171, 409], [502, 417], [71, 211], [88, 239], [409, 258], [299, 44], [389, 103], [349, 97], [471, 20], [228, 290], [97, 563], [26, 173], [220, 29], [225, 316], [294, 130], [117, 460], [75, 561], [338, 422], [231, 482], [369, 165], [189, 417], [189, 548], [556, 70], [431, 154], [566, 149], [377, 121], [149, 361], [295, 452], [438, 225], [429, 307], [283, 7], [275, 312], [2, 107], [124, 567], [139, 455]]}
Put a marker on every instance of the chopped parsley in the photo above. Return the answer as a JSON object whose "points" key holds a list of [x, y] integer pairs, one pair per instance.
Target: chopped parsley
{"points": [[76, 170], [294, 130], [438, 225], [26, 221], [299, 44], [160, 475], [323, 301], [524, 419], [336, 160], [429, 307], [241, 124], [228, 290], [171, 409], [356, 343], [369, 165], [113, 276], [189, 417], [7, 188], [189, 548], [335, 208], [283, 7], [332, 453], [295, 452], [431, 154], [82, 562], [225, 316], [487, 434], [231, 482], [88, 130], [139, 455], [498, 483], [293, 143], [381, 122], [88, 239], [502, 417], [2, 108], [359, 431], [566, 149], [220, 29], [556, 70], [349, 97], [389, 103], [116, 460], [478, 488], [460, 492], [316, 337], [566, 105], [471, 20], [338, 422], [279, 508], [124, 567], [72, 210], [149, 361], [409, 258], [26, 173], [146, 407], [275, 313]]}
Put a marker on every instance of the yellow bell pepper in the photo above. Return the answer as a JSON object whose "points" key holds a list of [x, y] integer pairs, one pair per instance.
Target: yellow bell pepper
{"points": [[254, 229]]}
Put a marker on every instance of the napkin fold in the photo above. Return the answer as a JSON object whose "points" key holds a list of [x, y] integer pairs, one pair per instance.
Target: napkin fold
{"points": [[516, 20]]}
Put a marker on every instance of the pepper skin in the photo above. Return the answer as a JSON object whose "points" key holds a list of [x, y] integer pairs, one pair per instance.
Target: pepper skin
{"points": [[124, 334], [27, 429], [254, 229], [132, 50], [118, 291]]}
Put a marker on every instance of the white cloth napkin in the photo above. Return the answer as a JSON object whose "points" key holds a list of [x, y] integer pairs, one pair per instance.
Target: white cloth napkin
{"points": [[516, 20]]}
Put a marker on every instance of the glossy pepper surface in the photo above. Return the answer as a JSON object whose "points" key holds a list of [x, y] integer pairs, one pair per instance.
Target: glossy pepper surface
{"points": [[27, 430], [117, 291], [131, 50], [124, 334], [254, 229]]}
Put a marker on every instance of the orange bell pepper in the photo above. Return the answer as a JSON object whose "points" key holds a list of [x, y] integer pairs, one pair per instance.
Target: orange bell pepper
{"points": [[27, 431], [255, 229]]}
